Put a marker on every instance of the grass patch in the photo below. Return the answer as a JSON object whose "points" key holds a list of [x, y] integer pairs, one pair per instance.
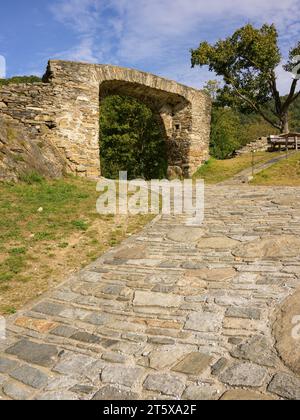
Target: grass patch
{"points": [[9, 310], [17, 251], [80, 225], [32, 178], [63, 245], [40, 248], [44, 236], [285, 173], [4, 277], [215, 171]]}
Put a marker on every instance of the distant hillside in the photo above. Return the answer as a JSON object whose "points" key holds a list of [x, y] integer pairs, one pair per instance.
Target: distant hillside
{"points": [[231, 129], [20, 79], [295, 116]]}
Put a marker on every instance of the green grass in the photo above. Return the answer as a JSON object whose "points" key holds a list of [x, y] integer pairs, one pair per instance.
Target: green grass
{"points": [[48, 229], [60, 200], [9, 310], [18, 251], [215, 171], [283, 173], [63, 245], [80, 225], [31, 178]]}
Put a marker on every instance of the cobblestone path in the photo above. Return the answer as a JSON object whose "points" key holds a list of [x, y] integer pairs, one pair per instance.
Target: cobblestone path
{"points": [[175, 312]]}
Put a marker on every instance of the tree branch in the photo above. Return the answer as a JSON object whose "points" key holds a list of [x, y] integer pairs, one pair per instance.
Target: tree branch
{"points": [[297, 95], [256, 108], [254, 64], [291, 97], [276, 94]]}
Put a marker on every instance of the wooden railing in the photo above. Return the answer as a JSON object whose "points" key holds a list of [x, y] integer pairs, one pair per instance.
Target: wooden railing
{"points": [[287, 142]]}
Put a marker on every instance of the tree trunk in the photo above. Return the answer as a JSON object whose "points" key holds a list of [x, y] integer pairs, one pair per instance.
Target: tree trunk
{"points": [[285, 124]]}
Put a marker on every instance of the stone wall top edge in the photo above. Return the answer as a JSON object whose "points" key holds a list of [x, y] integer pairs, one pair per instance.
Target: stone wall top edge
{"points": [[23, 85], [184, 88]]}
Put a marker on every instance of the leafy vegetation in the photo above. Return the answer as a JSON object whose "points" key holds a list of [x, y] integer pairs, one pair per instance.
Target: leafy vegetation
{"points": [[131, 139], [232, 128], [247, 61], [295, 116], [224, 133], [248, 105]]}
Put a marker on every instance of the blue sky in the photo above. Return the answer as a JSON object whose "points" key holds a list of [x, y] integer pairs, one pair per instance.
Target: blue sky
{"points": [[150, 35]]}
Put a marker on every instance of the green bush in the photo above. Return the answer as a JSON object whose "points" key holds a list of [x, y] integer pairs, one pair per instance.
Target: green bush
{"points": [[224, 133], [295, 116], [232, 128]]}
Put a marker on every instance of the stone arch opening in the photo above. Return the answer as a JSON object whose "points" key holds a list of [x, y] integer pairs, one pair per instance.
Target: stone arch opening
{"points": [[132, 138], [172, 113]]}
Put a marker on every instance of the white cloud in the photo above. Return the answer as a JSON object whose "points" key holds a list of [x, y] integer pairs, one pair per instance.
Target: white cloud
{"points": [[156, 35], [2, 67], [284, 79], [84, 51], [81, 15]]}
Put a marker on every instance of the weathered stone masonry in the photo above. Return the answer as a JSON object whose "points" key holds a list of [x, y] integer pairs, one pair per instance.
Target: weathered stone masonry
{"points": [[64, 109]]}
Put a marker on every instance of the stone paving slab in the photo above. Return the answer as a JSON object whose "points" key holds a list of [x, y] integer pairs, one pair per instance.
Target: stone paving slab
{"points": [[174, 312]]}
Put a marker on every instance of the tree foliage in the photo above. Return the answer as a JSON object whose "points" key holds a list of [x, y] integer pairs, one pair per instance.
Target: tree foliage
{"points": [[232, 129], [224, 138], [131, 139], [212, 88], [295, 116], [247, 61]]}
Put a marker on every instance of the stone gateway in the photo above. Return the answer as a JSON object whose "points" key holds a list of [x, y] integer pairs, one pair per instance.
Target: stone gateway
{"points": [[65, 109]]}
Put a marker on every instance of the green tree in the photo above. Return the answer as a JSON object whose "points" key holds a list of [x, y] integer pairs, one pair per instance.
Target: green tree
{"points": [[224, 140], [295, 116], [131, 139], [212, 88], [247, 61]]}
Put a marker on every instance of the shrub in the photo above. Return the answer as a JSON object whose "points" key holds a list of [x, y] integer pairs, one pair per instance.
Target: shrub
{"points": [[224, 133]]}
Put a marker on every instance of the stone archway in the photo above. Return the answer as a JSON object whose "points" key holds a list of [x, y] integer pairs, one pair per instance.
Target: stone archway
{"points": [[185, 112], [64, 110]]}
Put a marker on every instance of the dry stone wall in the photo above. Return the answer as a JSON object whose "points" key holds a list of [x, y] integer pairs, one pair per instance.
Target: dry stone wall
{"points": [[65, 110], [26, 138], [22, 154]]}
